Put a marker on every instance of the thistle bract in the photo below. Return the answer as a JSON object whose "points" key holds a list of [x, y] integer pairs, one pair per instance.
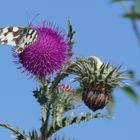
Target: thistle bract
{"points": [[47, 54], [97, 79]]}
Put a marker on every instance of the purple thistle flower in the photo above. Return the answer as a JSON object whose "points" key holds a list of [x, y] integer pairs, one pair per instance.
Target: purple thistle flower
{"points": [[47, 55]]}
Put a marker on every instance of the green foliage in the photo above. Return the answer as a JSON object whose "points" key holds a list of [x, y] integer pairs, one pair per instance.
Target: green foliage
{"points": [[130, 89], [34, 135], [111, 105], [16, 131], [66, 121], [132, 15], [131, 93], [70, 35], [121, 0]]}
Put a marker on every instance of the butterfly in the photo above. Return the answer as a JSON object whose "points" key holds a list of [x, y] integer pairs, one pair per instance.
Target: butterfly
{"points": [[21, 37]]}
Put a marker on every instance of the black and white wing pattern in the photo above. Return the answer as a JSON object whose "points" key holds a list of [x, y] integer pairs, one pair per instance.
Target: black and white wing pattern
{"points": [[21, 37]]}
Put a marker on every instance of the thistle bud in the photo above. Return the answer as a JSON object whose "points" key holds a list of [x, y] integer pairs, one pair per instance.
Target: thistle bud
{"points": [[97, 80]]}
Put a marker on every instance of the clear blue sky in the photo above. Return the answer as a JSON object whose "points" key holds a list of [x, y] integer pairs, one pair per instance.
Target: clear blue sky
{"points": [[101, 32]]}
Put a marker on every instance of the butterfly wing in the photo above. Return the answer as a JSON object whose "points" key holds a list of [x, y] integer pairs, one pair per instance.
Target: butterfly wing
{"points": [[21, 37], [10, 35]]}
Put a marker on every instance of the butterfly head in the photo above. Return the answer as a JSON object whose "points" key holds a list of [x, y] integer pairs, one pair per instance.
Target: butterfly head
{"points": [[19, 50]]}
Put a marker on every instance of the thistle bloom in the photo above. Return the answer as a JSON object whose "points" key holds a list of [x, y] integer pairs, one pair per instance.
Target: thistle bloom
{"points": [[97, 79], [47, 54], [66, 88]]}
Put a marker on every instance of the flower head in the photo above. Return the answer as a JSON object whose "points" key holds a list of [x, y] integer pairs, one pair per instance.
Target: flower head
{"points": [[97, 79], [47, 54]]}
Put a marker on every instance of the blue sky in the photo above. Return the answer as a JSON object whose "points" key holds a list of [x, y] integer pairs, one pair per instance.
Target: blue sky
{"points": [[101, 32]]}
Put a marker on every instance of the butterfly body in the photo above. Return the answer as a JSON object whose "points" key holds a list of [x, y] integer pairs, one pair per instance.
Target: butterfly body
{"points": [[21, 37]]}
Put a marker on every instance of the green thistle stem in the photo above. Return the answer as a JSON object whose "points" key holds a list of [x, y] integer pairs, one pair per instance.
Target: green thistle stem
{"points": [[44, 128], [45, 124], [57, 80]]}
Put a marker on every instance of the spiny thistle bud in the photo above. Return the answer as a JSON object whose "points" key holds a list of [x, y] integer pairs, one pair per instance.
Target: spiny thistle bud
{"points": [[97, 79], [66, 97]]}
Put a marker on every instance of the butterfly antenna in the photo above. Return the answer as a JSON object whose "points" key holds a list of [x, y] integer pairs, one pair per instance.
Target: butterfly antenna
{"points": [[27, 18], [30, 23]]}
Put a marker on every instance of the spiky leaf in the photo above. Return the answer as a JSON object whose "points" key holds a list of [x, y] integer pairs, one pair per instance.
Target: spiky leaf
{"points": [[66, 121], [111, 105], [16, 131], [131, 93]]}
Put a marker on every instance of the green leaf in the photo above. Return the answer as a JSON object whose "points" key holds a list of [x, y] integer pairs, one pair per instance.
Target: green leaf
{"points": [[67, 121], [131, 93], [131, 74], [71, 33], [137, 83], [70, 119], [20, 135], [110, 106], [43, 111], [117, 1], [34, 135], [79, 93], [138, 5], [113, 1], [132, 15], [79, 118]]}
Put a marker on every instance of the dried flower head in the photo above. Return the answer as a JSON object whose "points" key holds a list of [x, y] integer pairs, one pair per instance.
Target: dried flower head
{"points": [[47, 54]]}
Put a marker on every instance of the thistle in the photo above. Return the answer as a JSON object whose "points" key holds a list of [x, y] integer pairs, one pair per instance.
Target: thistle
{"points": [[97, 80], [46, 55]]}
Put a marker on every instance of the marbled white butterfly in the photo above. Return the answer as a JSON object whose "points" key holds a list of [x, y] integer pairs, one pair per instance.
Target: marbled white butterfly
{"points": [[21, 37]]}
